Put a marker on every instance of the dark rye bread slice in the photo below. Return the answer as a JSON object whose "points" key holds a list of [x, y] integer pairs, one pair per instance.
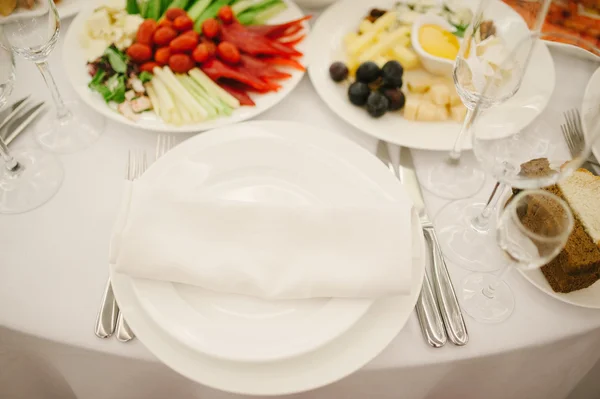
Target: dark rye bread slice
{"points": [[578, 264]]}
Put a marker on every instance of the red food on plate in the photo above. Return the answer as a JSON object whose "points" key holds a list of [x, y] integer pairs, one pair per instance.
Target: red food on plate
{"points": [[183, 23], [139, 52], [148, 66], [201, 53], [276, 31], [181, 63], [228, 53], [173, 13], [162, 55], [284, 62], [239, 93], [164, 35], [146, 31], [215, 69], [225, 14], [210, 28], [193, 34], [262, 69], [165, 23], [183, 44], [254, 43]]}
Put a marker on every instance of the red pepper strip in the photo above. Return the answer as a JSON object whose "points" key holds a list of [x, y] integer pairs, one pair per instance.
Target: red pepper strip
{"points": [[238, 93], [285, 62], [254, 44], [262, 69], [291, 31], [274, 31], [294, 41], [215, 69]]}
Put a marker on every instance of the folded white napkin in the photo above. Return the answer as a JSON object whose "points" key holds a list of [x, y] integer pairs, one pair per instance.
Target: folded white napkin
{"points": [[264, 250]]}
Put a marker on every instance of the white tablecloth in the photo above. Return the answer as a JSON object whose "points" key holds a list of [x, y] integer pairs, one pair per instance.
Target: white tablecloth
{"points": [[53, 268]]}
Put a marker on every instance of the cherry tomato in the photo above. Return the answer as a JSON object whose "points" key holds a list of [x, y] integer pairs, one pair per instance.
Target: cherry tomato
{"points": [[173, 13], [148, 66], [226, 14], [192, 33], [210, 28], [146, 31], [163, 36], [181, 63], [200, 53], [183, 44], [162, 55], [228, 52], [183, 23], [165, 23], [139, 52]]}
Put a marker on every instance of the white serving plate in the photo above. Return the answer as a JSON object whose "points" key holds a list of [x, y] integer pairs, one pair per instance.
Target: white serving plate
{"points": [[74, 62], [326, 47], [272, 162], [327, 361]]}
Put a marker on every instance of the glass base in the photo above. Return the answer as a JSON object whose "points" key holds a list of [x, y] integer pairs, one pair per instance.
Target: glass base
{"points": [[461, 243], [34, 183], [484, 304], [454, 181], [70, 134]]}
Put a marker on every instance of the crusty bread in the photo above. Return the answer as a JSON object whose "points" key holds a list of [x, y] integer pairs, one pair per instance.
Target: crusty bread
{"points": [[578, 264], [582, 190]]}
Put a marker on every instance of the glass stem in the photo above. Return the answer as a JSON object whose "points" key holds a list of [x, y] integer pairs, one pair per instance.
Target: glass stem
{"points": [[490, 290], [9, 162], [62, 112], [464, 130], [481, 222]]}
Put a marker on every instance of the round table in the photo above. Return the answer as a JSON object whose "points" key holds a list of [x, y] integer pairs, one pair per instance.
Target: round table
{"points": [[53, 268]]}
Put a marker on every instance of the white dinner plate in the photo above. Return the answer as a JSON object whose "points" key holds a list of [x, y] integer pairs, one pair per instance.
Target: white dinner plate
{"points": [[326, 47], [272, 162], [66, 8], [74, 62], [592, 96]]}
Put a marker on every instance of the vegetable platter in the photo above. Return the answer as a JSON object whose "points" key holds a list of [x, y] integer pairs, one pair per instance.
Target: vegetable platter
{"points": [[185, 66]]}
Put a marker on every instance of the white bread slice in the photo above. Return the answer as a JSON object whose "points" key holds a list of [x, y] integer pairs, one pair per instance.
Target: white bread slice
{"points": [[582, 192]]}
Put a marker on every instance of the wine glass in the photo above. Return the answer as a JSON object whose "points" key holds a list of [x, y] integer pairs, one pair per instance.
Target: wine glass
{"points": [[28, 177], [34, 37], [483, 46], [532, 230], [527, 128]]}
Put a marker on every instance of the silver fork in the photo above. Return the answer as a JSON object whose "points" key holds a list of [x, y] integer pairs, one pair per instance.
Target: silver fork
{"points": [[136, 165], [572, 132], [109, 317]]}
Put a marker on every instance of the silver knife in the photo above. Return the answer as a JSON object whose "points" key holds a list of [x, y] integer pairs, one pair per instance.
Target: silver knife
{"points": [[428, 313], [446, 296], [12, 111], [17, 125]]}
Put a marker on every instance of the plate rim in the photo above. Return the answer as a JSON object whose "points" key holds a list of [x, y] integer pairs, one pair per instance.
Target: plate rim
{"points": [[71, 48], [316, 79], [594, 80]]}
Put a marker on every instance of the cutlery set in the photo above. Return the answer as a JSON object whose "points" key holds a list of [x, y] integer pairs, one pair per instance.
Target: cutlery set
{"points": [[14, 119], [110, 318], [437, 308]]}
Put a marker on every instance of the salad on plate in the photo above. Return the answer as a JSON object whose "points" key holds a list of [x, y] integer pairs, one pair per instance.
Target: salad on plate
{"points": [[188, 62]]}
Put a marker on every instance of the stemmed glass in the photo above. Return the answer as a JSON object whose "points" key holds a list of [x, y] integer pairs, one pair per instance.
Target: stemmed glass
{"points": [[28, 177], [485, 41], [532, 230], [524, 129], [34, 37]]}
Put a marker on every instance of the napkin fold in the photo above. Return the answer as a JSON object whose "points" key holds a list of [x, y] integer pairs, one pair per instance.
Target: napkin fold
{"points": [[264, 250]]}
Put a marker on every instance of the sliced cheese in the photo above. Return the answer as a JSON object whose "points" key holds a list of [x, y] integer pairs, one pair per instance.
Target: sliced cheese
{"points": [[440, 94], [411, 107], [385, 42]]}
